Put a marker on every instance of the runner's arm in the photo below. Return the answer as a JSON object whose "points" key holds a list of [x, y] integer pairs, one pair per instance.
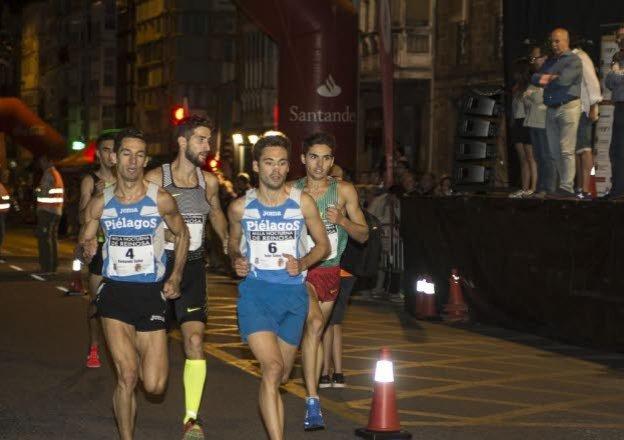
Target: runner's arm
{"points": [[355, 222], [217, 218], [86, 190], [316, 229], [168, 209], [154, 176], [87, 237], [235, 213]]}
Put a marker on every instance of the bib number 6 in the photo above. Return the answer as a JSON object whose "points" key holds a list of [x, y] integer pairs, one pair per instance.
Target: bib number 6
{"points": [[272, 248]]}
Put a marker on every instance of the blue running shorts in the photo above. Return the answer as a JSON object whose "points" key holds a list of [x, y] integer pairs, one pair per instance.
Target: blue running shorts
{"points": [[278, 308]]}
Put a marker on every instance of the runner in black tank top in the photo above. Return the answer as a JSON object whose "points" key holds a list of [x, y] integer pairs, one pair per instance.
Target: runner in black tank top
{"points": [[197, 195], [92, 184]]}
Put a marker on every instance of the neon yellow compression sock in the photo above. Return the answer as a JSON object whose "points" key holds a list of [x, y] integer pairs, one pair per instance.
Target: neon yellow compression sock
{"points": [[194, 379]]}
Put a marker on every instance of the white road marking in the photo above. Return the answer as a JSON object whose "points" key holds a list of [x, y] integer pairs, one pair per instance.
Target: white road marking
{"points": [[37, 277], [62, 289], [2, 261], [19, 269]]}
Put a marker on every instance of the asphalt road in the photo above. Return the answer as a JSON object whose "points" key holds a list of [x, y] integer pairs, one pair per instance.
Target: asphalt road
{"points": [[473, 382]]}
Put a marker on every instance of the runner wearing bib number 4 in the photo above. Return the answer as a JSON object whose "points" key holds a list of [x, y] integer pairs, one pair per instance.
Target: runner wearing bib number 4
{"points": [[268, 230], [131, 300], [197, 195], [338, 204]]}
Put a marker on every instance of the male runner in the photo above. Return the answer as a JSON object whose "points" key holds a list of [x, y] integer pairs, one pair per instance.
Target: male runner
{"points": [[268, 229], [94, 183], [197, 195], [131, 300], [334, 199]]}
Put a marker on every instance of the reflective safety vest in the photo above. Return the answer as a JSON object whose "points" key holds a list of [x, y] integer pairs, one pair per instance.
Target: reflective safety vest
{"points": [[5, 200], [50, 194]]}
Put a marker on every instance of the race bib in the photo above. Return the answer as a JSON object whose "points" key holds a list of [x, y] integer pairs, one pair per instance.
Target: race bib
{"points": [[267, 248], [195, 224], [332, 234], [131, 255]]}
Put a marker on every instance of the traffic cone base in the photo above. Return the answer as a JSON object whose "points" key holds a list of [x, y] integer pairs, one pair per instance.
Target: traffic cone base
{"points": [[376, 435]]}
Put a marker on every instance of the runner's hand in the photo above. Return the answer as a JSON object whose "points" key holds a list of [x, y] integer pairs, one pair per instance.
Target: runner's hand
{"points": [[89, 248], [171, 289], [334, 215], [293, 266], [241, 266]]}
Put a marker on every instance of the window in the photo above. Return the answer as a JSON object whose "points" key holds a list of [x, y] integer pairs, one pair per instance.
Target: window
{"points": [[417, 13]]}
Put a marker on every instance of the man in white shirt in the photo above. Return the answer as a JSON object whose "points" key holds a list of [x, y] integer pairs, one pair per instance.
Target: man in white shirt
{"points": [[590, 98]]}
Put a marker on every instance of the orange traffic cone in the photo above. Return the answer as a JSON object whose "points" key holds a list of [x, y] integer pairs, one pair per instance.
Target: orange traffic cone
{"points": [[383, 422], [425, 299], [75, 287], [456, 309]]}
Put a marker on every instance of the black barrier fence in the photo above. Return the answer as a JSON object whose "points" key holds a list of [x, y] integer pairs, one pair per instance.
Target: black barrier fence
{"points": [[552, 267]]}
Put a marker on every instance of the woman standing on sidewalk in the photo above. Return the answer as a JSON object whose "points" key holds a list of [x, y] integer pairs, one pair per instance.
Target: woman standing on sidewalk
{"points": [[520, 134]]}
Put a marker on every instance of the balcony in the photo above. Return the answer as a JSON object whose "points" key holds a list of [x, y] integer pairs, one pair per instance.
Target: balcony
{"points": [[412, 53]]}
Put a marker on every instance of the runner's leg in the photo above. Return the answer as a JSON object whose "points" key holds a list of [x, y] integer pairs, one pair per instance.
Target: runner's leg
{"points": [[121, 342], [265, 347]]}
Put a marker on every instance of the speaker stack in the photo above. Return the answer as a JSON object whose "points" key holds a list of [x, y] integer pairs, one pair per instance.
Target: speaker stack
{"points": [[477, 145]]}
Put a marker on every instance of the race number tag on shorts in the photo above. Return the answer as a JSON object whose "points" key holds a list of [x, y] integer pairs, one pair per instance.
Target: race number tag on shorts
{"points": [[195, 224], [131, 255], [267, 248], [332, 234]]}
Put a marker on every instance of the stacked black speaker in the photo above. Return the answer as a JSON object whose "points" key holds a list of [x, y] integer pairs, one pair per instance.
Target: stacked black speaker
{"points": [[476, 147]]}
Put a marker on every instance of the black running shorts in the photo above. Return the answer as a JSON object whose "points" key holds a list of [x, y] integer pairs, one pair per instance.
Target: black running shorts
{"points": [[191, 305], [141, 305], [95, 266]]}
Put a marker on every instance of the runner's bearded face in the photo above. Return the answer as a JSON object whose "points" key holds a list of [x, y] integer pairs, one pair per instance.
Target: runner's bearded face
{"points": [[318, 161], [131, 159], [198, 146], [105, 154], [273, 166]]}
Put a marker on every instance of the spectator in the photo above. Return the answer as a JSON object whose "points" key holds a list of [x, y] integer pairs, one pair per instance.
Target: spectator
{"points": [[615, 82], [535, 120], [426, 184], [590, 97], [520, 136], [445, 187], [49, 210], [561, 78], [241, 184], [336, 172], [408, 183]]}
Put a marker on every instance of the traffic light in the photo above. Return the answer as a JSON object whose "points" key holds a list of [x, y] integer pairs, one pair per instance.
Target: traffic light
{"points": [[178, 114]]}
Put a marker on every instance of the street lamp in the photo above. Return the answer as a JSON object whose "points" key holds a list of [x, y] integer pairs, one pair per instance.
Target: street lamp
{"points": [[237, 138], [78, 145], [253, 138]]}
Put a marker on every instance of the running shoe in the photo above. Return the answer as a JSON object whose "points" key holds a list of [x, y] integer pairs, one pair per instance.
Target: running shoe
{"points": [[314, 417], [517, 194], [325, 381], [338, 380], [193, 430], [93, 360]]}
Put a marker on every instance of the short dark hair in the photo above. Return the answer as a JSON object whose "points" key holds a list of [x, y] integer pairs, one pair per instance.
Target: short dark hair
{"points": [[106, 135], [128, 132], [319, 138], [277, 140], [186, 127]]}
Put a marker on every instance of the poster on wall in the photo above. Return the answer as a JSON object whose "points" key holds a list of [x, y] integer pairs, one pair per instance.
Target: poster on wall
{"points": [[602, 140]]}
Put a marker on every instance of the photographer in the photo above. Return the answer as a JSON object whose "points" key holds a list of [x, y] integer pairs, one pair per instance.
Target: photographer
{"points": [[615, 82]]}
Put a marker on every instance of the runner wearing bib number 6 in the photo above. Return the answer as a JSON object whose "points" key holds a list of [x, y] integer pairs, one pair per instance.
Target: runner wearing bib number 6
{"points": [[268, 233], [197, 195], [342, 216], [131, 301]]}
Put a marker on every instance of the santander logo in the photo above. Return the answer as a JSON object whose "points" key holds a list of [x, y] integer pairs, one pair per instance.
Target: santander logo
{"points": [[329, 89]]}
